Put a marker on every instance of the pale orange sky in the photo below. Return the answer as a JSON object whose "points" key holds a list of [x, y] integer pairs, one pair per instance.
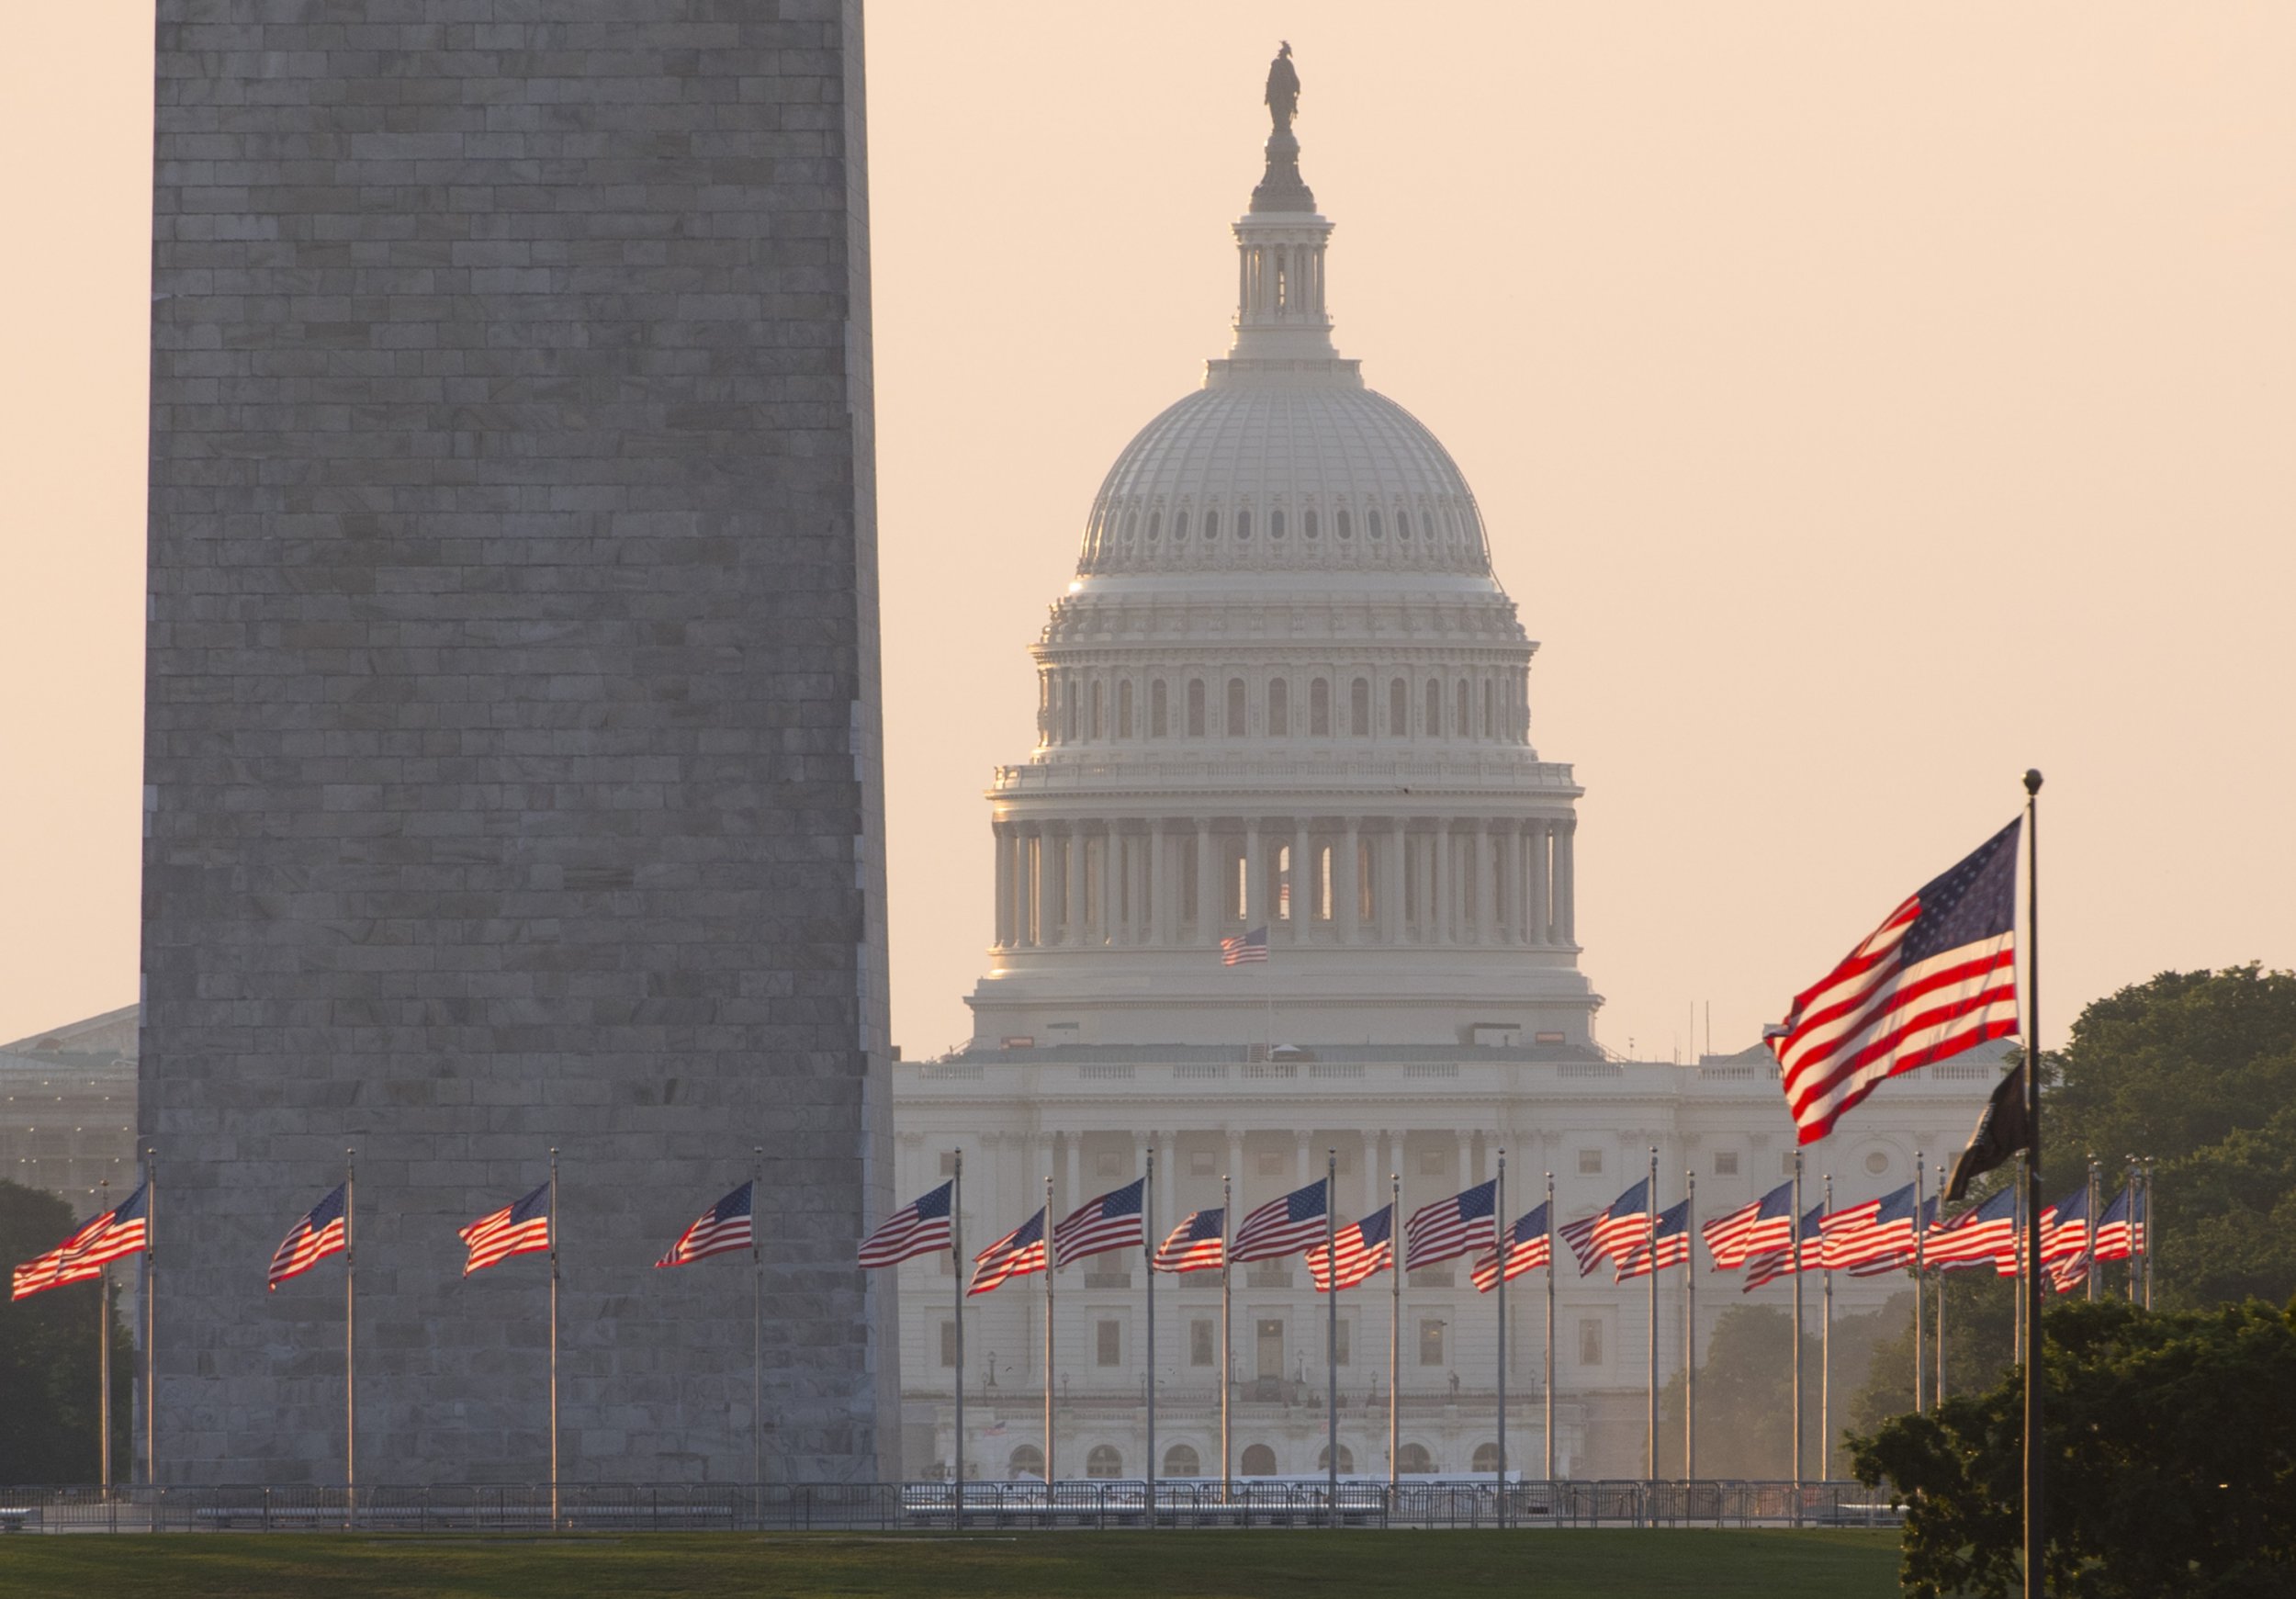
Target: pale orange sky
{"points": [[1866, 403]]}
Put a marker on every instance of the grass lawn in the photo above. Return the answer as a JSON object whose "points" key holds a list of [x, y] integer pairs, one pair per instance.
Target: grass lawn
{"points": [[1199, 1565]]}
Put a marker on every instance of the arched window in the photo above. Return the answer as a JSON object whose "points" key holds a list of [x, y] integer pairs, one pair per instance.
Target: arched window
{"points": [[1346, 523], [1028, 1460], [1156, 525], [1179, 528], [1459, 724], [1398, 708], [1490, 711], [1159, 718], [1320, 707], [1259, 1460], [1413, 1461], [1242, 527], [1180, 1461], [1376, 531], [1132, 527], [1103, 1461], [1275, 525], [1195, 707], [1235, 708], [1278, 708], [1212, 527], [1359, 707], [1307, 524], [1068, 695], [1124, 708], [1486, 1457], [1434, 728], [1324, 903], [1283, 882], [1402, 524], [1099, 697], [1346, 1456]]}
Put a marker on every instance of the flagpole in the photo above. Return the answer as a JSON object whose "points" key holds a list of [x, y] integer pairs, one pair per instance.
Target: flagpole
{"points": [[2147, 1233], [1920, 1179], [1147, 1253], [1395, 1308], [1331, 1330], [2035, 1528], [2135, 1231], [1499, 1234], [554, 1337], [1650, 1395], [1045, 1242], [1690, 1328], [104, 1351], [1826, 1358], [1549, 1375], [150, 1317], [956, 1261], [757, 1324], [349, 1336], [2092, 1230], [2017, 1276], [1797, 1335], [1227, 1372], [1937, 1396]]}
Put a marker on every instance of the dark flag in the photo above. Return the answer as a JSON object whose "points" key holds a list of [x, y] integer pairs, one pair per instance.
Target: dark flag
{"points": [[2003, 1129]]}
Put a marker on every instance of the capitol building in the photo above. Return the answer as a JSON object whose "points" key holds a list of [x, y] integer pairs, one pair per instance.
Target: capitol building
{"points": [[1286, 690]]}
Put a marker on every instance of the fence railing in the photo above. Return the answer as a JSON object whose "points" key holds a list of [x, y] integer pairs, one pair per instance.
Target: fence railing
{"points": [[892, 1507]]}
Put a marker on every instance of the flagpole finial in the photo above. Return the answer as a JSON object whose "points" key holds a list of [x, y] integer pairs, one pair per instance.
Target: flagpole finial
{"points": [[2032, 779]]}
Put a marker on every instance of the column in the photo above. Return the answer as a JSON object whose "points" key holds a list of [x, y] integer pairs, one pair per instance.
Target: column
{"points": [[1048, 912], [1486, 885], [1111, 883], [1392, 917], [1348, 882], [1512, 908], [1439, 907], [1161, 921], [1305, 881], [1207, 887], [1466, 1159], [1003, 847], [1255, 879], [1073, 884], [1135, 889], [1565, 883], [1537, 923], [1074, 1195], [1375, 1191], [1235, 1174]]}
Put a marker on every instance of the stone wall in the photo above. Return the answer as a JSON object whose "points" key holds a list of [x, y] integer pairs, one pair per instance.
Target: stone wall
{"points": [[512, 730]]}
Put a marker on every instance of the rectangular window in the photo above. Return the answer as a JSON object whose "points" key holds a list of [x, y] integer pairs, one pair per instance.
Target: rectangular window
{"points": [[1726, 1162], [1591, 1162], [1203, 1343], [949, 1344], [1323, 900], [1431, 1342], [1107, 1343], [1589, 1342]]}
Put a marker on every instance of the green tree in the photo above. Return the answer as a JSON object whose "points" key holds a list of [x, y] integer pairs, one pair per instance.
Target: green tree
{"points": [[1980, 1330], [2171, 1463], [48, 1398], [1746, 1389]]}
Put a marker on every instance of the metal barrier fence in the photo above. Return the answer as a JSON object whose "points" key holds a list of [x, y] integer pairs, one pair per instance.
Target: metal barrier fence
{"points": [[477, 1508]]}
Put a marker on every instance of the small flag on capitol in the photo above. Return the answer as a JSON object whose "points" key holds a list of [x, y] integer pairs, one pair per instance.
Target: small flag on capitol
{"points": [[1937, 978], [918, 1228], [1244, 948], [724, 1228], [1449, 1228], [324, 1230], [1114, 1220], [1754, 1228], [522, 1228], [1195, 1245], [1673, 1234], [1019, 1253], [1282, 1227], [1529, 1248], [107, 1236], [1362, 1250]]}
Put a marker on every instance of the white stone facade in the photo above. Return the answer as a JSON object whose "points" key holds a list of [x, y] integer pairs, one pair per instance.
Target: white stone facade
{"points": [[1286, 690]]}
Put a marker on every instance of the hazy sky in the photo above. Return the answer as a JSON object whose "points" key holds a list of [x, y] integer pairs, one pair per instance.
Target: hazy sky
{"points": [[1866, 403]]}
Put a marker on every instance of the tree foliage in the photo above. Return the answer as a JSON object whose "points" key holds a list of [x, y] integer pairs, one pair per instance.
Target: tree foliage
{"points": [[1746, 1389], [1980, 1329], [49, 1356], [2170, 1461]]}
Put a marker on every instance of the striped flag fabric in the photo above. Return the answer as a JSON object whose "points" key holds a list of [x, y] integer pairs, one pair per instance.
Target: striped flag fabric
{"points": [[1529, 1248], [1768, 1268], [2115, 1233], [1114, 1220], [1244, 948], [1580, 1236], [2065, 1226], [1937, 978], [522, 1227], [107, 1236], [1765, 1224], [1620, 1226], [1362, 1250], [1198, 1244], [1672, 1238], [1283, 1226], [1019, 1253], [324, 1230], [724, 1228], [923, 1226], [1450, 1228], [1901, 1256], [1873, 1230], [1977, 1235]]}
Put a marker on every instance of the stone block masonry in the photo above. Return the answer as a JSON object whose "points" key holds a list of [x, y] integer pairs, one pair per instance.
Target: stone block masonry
{"points": [[511, 729]]}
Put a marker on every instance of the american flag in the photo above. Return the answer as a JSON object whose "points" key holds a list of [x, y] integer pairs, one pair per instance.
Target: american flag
{"points": [[103, 1238], [1620, 1226], [1019, 1253], [722, 1229], [1529, 1248], [1902, 1256], [1938, 977], [1114, 1220], [1873, 1230], [1244, 947], [1977, 1235], [1361, 1250], [1754, 1228], [1195, 1245], [324, 1230], [1449, 1228], [920, 1227], [515, 1229], [1580, 1236], [1768, 1268], [2115, 1232], [1673, 1244], [1281, 1227], [2065, 1226]]}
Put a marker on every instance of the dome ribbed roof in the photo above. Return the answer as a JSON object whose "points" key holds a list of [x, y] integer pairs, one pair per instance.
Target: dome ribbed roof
{"points": [[1284, 476]]}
